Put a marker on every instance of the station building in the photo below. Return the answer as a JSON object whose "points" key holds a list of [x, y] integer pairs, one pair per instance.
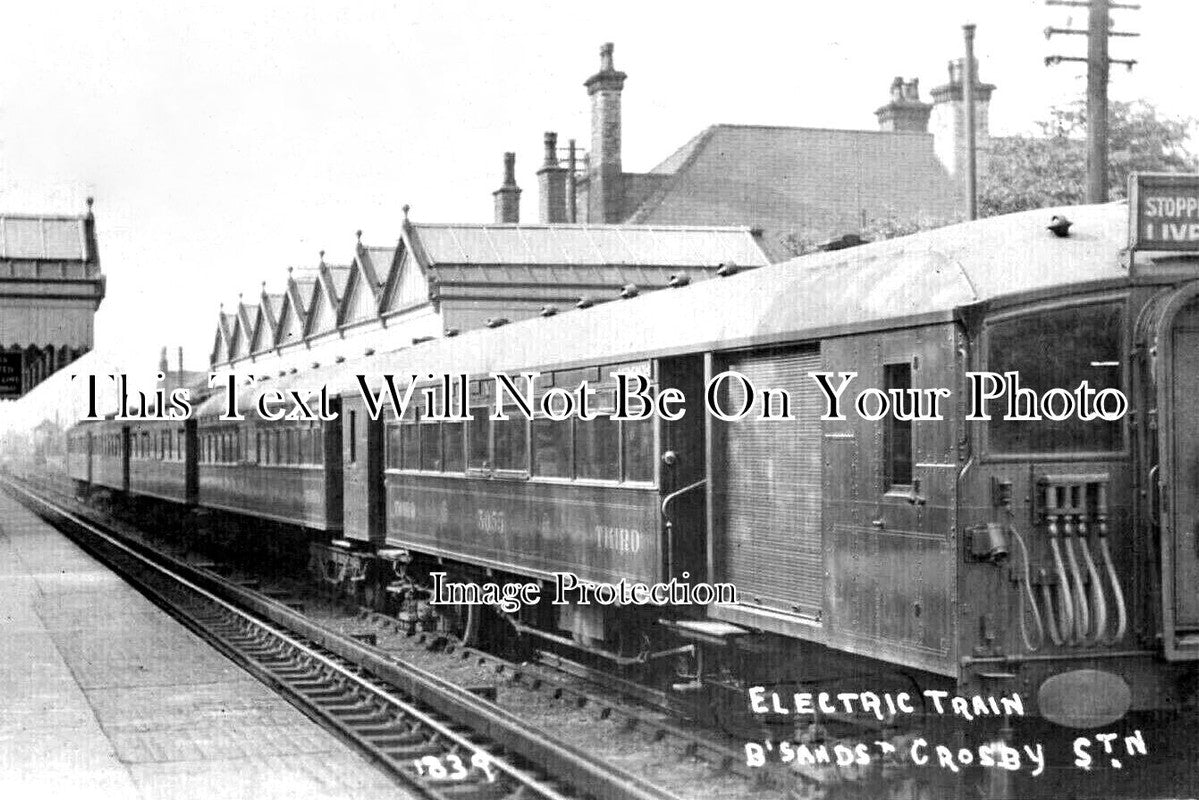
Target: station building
{"points": [[441, 279], [50, 289]]}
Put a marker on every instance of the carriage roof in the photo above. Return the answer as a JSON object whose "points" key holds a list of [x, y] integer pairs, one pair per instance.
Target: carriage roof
{"points": [[913, 280]]}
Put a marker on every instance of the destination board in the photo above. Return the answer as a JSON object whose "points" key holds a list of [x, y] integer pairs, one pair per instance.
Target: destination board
{"points": [[10, 375], [1165, 211]]}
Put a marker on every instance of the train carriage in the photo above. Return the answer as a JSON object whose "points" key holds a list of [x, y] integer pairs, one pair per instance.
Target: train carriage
{"points": [[1053, 557], [159, 466], [110, 455], [999, 555], [79, 454], [286, 471]]}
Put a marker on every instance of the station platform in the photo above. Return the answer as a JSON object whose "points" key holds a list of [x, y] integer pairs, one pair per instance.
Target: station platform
{"points": [[103, 694]]}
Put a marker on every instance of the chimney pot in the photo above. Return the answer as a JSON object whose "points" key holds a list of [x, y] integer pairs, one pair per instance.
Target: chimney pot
{"points": [[552, 183], [507, 197], [897, 89], [606, 57]]}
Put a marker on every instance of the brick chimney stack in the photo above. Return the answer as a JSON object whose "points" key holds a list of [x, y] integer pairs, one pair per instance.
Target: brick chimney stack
{"points": [[551, 179], [507, 197], [948, 121], [905, 112], [605, 190]]}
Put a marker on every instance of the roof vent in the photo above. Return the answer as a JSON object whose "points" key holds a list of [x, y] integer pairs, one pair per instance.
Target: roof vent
{"points": [[727, 269], [282, 373], [370, 351], [678, 279], [315, 364], [1060, 226], [339, 360], [585, 302], [495, 322], [292, 371], [629, 290], [549, 311], [452, 331], [422, 339]]}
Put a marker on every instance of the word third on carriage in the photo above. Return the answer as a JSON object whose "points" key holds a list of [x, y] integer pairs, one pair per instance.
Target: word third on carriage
{"points": [[729, 396]]}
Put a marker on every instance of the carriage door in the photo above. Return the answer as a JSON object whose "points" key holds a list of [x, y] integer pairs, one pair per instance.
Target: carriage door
{"points": [[1178, 386]]}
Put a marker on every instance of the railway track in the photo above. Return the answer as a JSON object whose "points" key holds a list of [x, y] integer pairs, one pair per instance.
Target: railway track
{"points": [[589, 708], [438, 739]]}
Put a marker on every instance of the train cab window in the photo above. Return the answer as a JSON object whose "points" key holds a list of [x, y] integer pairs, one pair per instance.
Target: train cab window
{"points": [[552, 448], [897, 434], [1057, 349]]}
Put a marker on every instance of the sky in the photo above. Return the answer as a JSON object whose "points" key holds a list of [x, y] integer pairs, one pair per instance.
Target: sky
{"points": [[224, 142]]}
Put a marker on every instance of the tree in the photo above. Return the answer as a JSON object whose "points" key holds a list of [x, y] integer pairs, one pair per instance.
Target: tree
{"points": [[1026, 172]]}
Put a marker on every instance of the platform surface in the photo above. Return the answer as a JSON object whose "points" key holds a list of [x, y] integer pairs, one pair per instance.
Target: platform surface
{"points": [[103, 694]]}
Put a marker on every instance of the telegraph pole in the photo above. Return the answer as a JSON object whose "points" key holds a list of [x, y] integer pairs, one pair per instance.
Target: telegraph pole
{"points": [[1098, 74], [1097, 80]]}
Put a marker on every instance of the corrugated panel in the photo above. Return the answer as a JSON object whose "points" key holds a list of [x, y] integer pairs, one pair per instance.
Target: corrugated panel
{"points": [[768, 504]]}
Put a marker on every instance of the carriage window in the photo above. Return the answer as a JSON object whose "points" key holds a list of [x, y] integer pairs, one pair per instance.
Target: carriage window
{"points": [[638, 441], [897, 434], [597, 448], [353, 436], [392, 446], [454, 438], [1052, 350], [552, 448], [409, 445], [478, 442], [430, 446], [511, 442]]}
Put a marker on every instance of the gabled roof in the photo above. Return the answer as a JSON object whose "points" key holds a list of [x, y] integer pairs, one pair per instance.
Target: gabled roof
{"points": [[266, 322], [361, 290], [808, 181], [325, 299]]}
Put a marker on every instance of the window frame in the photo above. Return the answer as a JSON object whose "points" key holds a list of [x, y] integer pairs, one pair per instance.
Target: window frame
{"points": [[1120, 301]]}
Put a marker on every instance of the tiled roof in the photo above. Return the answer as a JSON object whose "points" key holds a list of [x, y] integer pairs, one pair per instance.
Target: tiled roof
{"points": [[583, 245], [809, 181], [43, 238]]}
